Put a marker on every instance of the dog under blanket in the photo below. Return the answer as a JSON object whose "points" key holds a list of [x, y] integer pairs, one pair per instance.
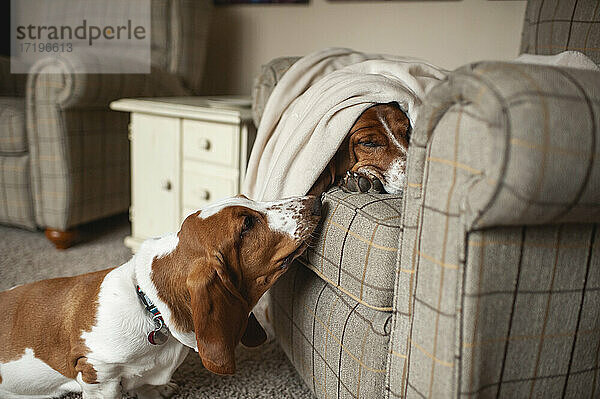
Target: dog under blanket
{"points": [[313, 107]]}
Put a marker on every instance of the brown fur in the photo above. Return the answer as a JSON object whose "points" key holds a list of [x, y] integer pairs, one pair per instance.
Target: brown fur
{"points": [[353, 156], [49, 317], [214, 278], [210, 282]]}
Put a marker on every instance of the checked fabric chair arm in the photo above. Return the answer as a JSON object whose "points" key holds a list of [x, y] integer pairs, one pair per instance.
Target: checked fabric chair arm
{"points": [[264, 83], [78, 147], [500, 238]]}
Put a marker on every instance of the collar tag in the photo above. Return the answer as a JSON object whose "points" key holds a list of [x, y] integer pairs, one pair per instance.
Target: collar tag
{"points": [[160, 334]]}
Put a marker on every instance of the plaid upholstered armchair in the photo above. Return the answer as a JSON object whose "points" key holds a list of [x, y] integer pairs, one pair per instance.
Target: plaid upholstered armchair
{"points": [[64, 156], [483, 279]]}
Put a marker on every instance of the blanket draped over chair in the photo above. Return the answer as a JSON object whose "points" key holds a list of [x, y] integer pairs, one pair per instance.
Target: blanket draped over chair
{"points": [[315, 104], [320, 97]]}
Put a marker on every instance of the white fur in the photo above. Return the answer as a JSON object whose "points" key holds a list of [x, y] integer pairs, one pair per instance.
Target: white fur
{"points": [[118, 346], [119, 351], [17, 378], [279, 213], [158, 248], [394, 178]]}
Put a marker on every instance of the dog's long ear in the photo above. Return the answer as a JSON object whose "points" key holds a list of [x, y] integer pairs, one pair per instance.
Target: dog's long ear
{"points": [[331, 168], [325, 180], [220, 315]]}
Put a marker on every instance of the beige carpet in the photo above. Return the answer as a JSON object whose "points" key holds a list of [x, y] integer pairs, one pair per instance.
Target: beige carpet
{"points": [[27, 256]]}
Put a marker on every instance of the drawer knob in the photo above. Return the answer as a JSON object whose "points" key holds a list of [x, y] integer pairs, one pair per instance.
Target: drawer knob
{"points": [[204, 194], [204, 144], [167, 185]]}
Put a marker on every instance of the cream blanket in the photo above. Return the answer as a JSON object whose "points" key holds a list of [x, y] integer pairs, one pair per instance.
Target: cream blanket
{"points": [[318, 100], [314, 106]]}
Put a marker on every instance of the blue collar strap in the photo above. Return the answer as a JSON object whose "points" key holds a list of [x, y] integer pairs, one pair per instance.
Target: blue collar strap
{"points": [[160, 334]]}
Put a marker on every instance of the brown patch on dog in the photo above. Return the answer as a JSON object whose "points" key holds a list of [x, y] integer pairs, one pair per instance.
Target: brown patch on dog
{"points": [[217, 273], [379, 125], [49, 317], [88, 372], [369, 145]]}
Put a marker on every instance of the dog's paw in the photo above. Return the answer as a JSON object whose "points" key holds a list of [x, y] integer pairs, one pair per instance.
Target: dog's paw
{"points": [[156, 391], [361, 183], [168, 390]]}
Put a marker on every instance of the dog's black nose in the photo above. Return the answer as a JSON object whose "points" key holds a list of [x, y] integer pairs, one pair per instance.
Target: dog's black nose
{"points": [[317, 205]]}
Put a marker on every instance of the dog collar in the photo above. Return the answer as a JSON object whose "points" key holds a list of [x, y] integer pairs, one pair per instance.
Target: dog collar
{"points": [[160, 334]]}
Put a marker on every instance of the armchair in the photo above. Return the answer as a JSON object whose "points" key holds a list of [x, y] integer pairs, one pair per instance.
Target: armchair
{"points": [[64, 156], [482, 279]]}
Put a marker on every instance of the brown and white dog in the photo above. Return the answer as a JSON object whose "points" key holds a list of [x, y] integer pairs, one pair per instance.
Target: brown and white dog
{"points": [[100, 334], [372, 157]]}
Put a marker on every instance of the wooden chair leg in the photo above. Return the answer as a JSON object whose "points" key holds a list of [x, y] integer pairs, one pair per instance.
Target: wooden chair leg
{"points": [[62, 239]]}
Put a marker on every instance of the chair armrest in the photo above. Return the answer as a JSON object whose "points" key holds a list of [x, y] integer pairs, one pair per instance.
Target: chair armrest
{"points": [[516, 144], [356, 247], [495, 144], [76, 142], [11, 85], [266, 81], [64, 82]]}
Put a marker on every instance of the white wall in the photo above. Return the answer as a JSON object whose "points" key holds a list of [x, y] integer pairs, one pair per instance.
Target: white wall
{"points": [[447, 33]]}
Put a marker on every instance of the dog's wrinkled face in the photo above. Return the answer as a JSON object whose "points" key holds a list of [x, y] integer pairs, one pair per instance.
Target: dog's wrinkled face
{"points": [[258, 240], [228, 255], [378, 145]]}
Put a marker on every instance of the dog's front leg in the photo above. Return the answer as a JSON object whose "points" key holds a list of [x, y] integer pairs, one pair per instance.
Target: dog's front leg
{"points": [[110, 389], [156, 391], [98, 380]]}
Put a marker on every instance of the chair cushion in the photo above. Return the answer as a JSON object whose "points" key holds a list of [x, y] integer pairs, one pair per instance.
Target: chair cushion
{"points": [[12, 125], [357, 248]]}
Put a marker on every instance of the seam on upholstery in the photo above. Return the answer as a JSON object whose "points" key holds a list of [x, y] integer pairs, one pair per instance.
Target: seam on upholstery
{"points": [[342, 347], [343, 290], [347, 273]]}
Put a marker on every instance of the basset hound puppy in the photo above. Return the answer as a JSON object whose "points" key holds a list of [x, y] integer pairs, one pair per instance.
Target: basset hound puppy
{"points": [[372, 157], [125, 330]]}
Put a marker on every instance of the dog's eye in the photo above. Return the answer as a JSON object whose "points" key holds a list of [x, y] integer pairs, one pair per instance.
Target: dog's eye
{"points": [[248, 224], [369, 144]]}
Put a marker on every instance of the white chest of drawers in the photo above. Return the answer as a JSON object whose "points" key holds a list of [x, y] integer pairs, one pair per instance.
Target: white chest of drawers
{"points": [[185, 152]]}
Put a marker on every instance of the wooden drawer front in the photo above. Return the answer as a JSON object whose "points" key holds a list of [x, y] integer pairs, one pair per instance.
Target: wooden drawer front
{"points": [[217, 143], [155, 179], [200, 189]]}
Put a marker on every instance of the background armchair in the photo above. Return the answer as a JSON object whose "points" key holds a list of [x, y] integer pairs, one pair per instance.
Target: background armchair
{"points": [[64, 156], [482, 280]]}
